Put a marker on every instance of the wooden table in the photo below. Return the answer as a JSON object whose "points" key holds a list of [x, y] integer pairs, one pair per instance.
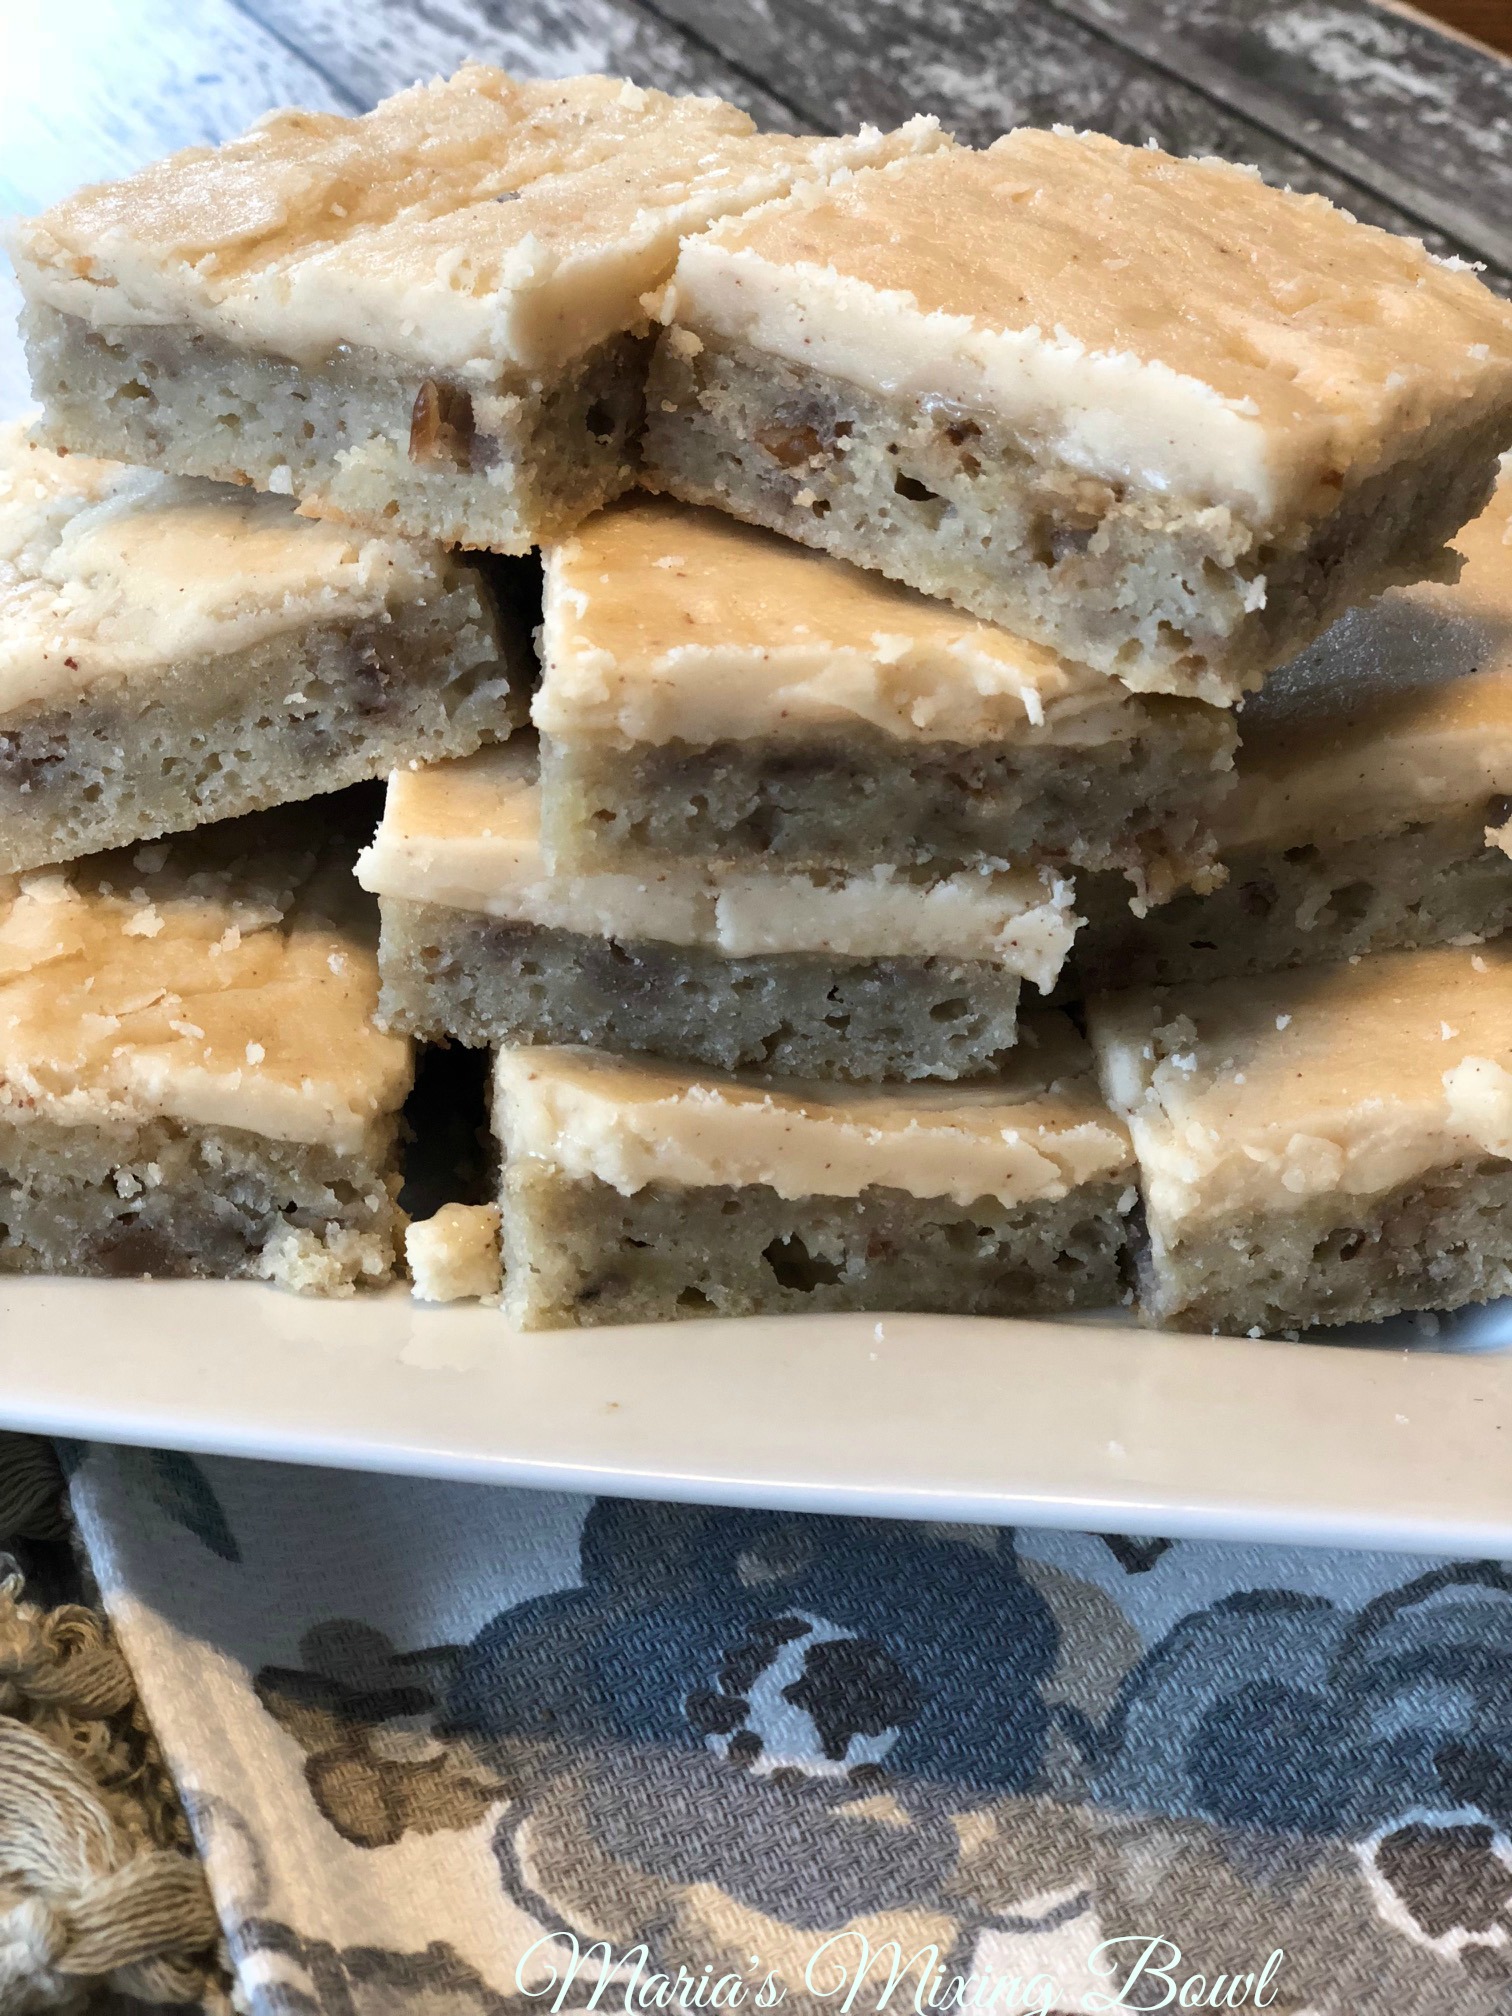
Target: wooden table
{"points": [[1490, 21], [1405, 124]]}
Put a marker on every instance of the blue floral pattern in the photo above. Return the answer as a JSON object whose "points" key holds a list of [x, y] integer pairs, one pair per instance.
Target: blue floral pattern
{"points": [[1343, 1776], [709, 1735], [827, 1649]]}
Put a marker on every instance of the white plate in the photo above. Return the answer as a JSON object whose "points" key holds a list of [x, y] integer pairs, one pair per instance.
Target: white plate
{"points": [[1095, 1425]]}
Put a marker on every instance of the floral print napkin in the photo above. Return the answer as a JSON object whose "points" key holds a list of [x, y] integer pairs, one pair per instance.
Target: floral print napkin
{"points": [[458, 1751]]}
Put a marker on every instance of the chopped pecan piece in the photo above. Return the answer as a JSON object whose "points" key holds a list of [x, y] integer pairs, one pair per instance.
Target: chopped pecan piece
{"points": [[790, 446], [441, 425]]}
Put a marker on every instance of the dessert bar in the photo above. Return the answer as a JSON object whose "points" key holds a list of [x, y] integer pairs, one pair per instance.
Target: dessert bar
{"points": [[1151, 412], [191, 1081], [427, 320], [634, 1192], [1325, 1146], [1368, 771], [174, 651], [713, 691], [880, 973]]}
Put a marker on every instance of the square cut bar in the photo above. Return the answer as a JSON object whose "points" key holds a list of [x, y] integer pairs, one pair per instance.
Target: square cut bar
{"points": [[715, 692], [633, 1192], [1326, 1146], [191, 1081], [864, 975], [1161, 417], [174, 651], [1368, 771], [427, 320]]}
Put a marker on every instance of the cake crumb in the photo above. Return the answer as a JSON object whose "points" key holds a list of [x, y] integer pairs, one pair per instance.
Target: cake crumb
{"points": [[296, 1257], [454, 1256]]}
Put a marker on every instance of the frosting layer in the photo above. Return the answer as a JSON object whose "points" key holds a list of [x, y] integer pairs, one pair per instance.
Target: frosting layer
{"points": [[1402, 711], [1253, 1095], [474, 222], [1171, 324], [1037, 1132], [107, 571], [467, 835], [225, 979], [665, 623]]}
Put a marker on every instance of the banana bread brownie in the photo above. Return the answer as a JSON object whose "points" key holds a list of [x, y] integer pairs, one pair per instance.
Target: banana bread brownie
{"points": [[1157, 415], [191, 1081], [1368, 771], [174, 651], [712, 691], [426, 320], [867, 974], [634, 1192], [1325, 1146]]}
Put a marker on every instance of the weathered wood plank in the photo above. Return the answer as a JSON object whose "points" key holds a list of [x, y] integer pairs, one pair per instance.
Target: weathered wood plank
{"points": [[92, 92], [986, 65], [386, 44], [1381, 96], [81, 99], [1488, 22]]}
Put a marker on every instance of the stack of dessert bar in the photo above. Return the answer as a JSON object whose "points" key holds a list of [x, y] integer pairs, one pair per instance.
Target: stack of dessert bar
{"points": [[1315, 1060], [319, 360], [913, 522]]}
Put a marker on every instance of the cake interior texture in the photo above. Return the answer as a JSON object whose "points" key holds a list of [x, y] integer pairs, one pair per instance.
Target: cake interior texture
{"points": [[1142, 806], [172, 1200], [1159, 590], [1434, 883], [1440, 1241], [288, 718], [488, 981], [579, 1252], [362, 438]]}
